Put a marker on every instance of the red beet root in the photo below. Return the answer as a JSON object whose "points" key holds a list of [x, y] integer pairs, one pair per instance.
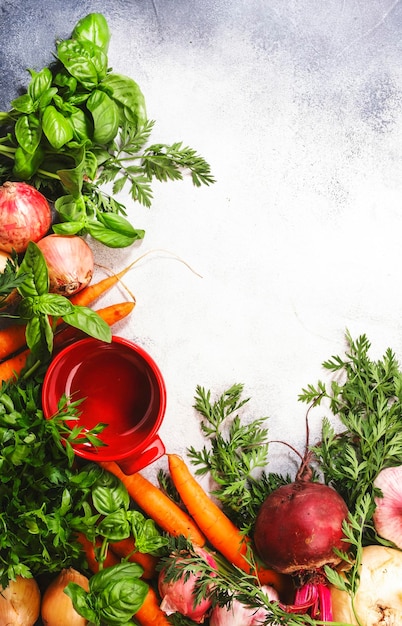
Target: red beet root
{"points": [[298, 527]]}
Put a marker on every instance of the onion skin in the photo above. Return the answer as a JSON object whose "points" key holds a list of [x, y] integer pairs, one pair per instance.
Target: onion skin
{"points": [[57, 608], [378, 600], [178, 596], [299, 525], [25, 215], [70, 263], [387, 516], [20, 602]]}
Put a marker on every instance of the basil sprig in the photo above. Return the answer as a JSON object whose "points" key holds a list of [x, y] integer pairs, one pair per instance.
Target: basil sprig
{"points": [[41, 309], [80, 125]]}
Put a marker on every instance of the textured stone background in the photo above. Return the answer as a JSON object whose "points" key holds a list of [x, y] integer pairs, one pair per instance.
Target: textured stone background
{"points": [[297, 106]]}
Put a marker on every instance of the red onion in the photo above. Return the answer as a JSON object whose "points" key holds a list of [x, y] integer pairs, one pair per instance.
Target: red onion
{"points": [[25, 215], [70, 263], [178, 596]]}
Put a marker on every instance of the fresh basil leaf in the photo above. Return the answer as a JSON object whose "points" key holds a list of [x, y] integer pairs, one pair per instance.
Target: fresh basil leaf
{"points": [[54, 304], [47, 97], [28, 132], [56, 127], [26, 164], [80, 600], [67, 82], [120, 225], [99, 581], [111, 238], [72, 178], [68, 228], [23, 104], [40, 82], [85, 61], [33, 265], [105, 116], [69, 207], [93, 28], [82, 126], [109, 494], [114, 526], [90, 322], [39, 334], [121, 599], [129, 95]]}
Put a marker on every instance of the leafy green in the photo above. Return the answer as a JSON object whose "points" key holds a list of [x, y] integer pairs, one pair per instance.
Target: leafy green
{"points": [[40, 309], [42, 496], [366, 397], [114, 595], [237, 455], [80, 125]]}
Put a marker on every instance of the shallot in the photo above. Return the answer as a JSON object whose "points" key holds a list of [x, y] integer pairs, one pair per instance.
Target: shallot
{"points": [[70, 263], [20, 602], [387, 516], [179, 596], [238, 614], [25, 215]]}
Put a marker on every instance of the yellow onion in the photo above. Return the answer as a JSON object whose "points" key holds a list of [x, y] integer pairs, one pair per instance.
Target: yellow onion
{"points": [[57, 608], [20, 602], [379, 596], [69, 261]]}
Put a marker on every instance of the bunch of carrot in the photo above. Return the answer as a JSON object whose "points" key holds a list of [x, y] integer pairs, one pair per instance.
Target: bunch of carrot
{"points": [[203, 522], [13, 350]]}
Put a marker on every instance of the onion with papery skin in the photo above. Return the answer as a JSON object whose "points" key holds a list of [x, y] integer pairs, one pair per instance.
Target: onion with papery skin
{"points": [[378, 601], [238, 614], [57, 608], [70, 263], [25, 215], [387, 516], [20, 602], [178, 596]]}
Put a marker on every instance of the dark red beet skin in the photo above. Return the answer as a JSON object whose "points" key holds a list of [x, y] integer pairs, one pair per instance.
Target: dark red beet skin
{"points": [[298, 526]]}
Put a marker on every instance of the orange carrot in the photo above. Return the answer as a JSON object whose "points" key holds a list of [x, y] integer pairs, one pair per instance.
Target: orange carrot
{"points": [[220, 531], [11, 339], [89, 294], [125, 548], [150, 613], [89, 551], [12, 367], [157, 505]]}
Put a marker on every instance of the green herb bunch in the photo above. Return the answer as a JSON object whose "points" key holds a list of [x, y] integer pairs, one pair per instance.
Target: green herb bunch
{"points": [[80, 125], [236, 457], [366, 398]]}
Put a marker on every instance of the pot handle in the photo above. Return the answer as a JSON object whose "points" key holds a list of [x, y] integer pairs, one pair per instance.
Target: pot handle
{"points": [[152, 452]]}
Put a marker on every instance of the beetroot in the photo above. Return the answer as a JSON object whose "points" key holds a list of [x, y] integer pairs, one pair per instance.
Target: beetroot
{"points": [[298, 527]]}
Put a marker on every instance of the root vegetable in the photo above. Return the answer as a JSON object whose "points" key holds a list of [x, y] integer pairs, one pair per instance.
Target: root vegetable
{"points": [[179, 596], [20, 602], [57, 608], [378, 600], [298, 527], [25, 215], [70, 263], [387, 516]]}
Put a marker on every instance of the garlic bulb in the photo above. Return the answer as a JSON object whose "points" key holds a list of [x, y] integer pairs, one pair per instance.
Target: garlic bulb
{"points": [[20, 602], [378, 599], [387, 516]]}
